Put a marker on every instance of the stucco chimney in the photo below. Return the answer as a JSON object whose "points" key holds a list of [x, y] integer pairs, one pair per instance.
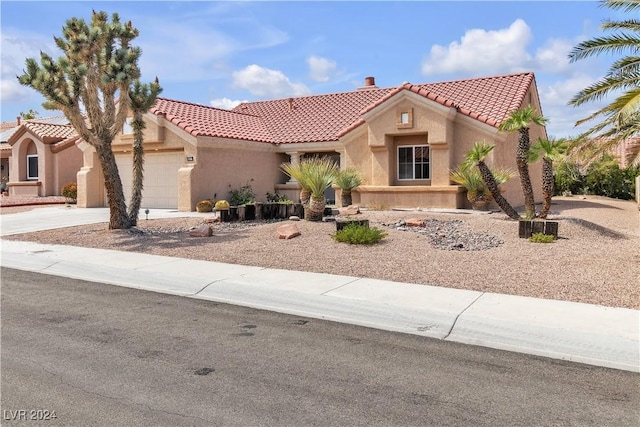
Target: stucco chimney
{"points": [[18, 119], [290, 104], [369, 83]]}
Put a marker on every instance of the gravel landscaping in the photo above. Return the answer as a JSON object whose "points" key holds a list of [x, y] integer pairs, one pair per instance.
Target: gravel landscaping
{"points": [[595, 260]]}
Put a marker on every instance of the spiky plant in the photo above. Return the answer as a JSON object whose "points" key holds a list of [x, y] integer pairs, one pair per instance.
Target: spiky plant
{"points": [[297, 172], [477, 156], [347, 180], [468, 175], [321, 173], [142, 97]]}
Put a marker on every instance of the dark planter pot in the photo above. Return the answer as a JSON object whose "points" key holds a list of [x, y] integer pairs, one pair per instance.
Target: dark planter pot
{"points": [[526, 228], [246, 213], [233, 213], [224, 215]]}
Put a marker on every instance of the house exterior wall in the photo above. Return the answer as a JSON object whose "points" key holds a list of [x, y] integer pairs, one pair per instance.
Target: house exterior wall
{"points": [[222, 166]]}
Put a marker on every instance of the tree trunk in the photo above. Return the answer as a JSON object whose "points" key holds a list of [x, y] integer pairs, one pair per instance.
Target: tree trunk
{"points": [[547, 187], [315, 209], [490, 182], [305, 196], [345, 198], [137, 180], [523, 169], [118, 218]]}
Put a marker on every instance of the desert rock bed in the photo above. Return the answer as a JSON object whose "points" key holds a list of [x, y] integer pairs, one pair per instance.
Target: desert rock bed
{"points": [[595, 260]]}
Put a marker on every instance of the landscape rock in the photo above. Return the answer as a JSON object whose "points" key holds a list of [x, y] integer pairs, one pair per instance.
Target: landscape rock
{"points": [[203, 230], [349, 210], [294, 218], [414, 222], [287, 231]]}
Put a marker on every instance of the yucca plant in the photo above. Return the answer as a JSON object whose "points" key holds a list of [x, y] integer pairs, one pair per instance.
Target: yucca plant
{"points": [[347, 180], [315, 175], [469, 177]]}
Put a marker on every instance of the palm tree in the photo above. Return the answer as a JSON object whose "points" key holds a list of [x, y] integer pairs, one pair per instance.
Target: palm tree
{"points": [[550, 151], [519, 121], [621, 118], [477, 156], [347, 180], [90, 83], [142, 98]]}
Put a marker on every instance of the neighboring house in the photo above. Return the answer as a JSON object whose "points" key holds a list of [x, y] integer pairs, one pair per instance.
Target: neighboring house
{"points": [[404, 139], [39, 156]]}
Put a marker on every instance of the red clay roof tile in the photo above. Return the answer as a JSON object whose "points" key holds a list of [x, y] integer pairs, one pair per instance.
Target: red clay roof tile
{"points": [[201, 120]]}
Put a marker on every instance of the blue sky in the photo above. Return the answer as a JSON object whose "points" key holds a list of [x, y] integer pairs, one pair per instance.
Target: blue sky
{"points": [[221, 53]]}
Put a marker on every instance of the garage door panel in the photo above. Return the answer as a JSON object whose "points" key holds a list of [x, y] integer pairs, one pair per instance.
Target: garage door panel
{"points": [[160, 179]]}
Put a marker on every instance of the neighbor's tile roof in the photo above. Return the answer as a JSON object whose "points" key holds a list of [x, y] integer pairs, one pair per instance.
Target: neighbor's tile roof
{"points": [[201, 120], [8, 128], [49, 132]]}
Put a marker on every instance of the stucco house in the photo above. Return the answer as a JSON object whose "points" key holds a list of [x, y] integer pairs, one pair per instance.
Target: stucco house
{"points": [[404, 139], [39, 156]]}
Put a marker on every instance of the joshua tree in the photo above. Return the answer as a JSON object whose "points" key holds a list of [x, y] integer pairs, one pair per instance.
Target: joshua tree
{"points": [[621, 118], [91, 84], [142, 98], [476, 156], [347, 180], [315, 175], [550, 151], [519, 121]]}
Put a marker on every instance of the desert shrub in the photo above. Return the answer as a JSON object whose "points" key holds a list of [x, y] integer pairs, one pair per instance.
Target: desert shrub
{"points": [[204, 206], [568, 178], [541, 238], [242, 196], [377, 206], [359, 235], [70, 191], [277, 198], [605, 178]]}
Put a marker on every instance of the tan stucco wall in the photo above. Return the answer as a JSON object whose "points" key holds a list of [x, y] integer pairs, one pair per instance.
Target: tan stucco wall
{"points": [[218, 168]]}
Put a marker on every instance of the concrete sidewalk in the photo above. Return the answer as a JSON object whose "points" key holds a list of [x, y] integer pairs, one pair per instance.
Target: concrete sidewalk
{"points": [[602, 336]]}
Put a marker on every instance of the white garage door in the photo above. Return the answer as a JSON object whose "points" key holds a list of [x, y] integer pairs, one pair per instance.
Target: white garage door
{"points": [[160, 178]]}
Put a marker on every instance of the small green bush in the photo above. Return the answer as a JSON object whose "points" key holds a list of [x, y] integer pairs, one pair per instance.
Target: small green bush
{"points": [[359, 235], [242, 196], [541, 238], [277, 198]]}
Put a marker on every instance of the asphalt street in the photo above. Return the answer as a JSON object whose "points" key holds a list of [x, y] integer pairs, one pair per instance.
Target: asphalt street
{"points": [[103, 355]]}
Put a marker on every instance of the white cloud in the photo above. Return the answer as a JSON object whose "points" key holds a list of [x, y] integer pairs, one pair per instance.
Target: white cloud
{"points": [[225, 103], [562, 117], [482, 52], [553, 56], [263, 82], [320, 69], [16, 48]]}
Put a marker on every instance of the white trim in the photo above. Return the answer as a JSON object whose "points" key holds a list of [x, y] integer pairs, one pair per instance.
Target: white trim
{"points": [[413, 157], [29, 175]]}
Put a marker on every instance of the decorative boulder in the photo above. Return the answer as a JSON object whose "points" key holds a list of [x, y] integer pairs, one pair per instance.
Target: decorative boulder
{"points": [[349, 210], [203, 230], [287, 231], [414, 222]]}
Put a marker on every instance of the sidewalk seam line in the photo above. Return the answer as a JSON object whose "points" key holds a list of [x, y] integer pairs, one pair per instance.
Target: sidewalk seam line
{"points": [[341, 286], [455, 321]]}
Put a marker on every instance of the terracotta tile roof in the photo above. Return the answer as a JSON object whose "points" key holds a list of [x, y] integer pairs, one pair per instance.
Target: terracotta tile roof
{"points": [[49, 132], [8, 128], [201, 120], [487, 99], [316, 118]]}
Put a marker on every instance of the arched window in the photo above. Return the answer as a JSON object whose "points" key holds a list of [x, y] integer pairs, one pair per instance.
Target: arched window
{"points": [[32, 162]]}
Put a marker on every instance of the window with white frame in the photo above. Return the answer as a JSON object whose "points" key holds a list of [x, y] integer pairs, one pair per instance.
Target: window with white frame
{"points": [[413, 162], [32, 166], [127, 128]]}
